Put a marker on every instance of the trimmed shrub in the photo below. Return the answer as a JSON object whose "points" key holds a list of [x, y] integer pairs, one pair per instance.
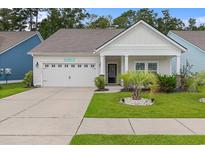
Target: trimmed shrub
{"points": [[194, 81], [28, 79], [167, 83], [100, 82]]}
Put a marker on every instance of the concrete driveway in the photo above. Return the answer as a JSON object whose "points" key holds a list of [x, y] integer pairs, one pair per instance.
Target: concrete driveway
{"points": [[43, 115]]}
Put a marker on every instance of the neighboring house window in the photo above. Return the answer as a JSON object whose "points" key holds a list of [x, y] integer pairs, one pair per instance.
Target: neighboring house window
{"points": [[148, 66]]}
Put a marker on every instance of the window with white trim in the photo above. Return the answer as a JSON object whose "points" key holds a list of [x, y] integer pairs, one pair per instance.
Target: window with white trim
{"points": [[152, 67], [147, 66], [140, 66]]}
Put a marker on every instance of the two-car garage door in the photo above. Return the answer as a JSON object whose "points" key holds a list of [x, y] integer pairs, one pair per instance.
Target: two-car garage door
{"points": [[69, 74]]}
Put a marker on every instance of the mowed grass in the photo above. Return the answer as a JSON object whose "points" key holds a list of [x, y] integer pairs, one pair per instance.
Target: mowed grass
{"points": [[11, 89], [138, 140], [173, 105]]}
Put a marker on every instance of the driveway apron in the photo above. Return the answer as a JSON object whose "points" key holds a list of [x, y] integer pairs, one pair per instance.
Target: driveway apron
{"points": [[43, 115]]}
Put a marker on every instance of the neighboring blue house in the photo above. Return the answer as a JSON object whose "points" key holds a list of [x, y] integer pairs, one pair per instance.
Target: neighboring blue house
{"points": [[14, 48], [194, 41]]}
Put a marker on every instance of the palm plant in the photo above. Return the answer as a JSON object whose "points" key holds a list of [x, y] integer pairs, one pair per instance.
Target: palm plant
{"points": [[138, 80]]}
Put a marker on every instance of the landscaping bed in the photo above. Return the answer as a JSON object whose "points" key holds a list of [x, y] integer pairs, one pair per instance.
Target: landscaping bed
{"points": [[11, 89], [138, 140], [166, 105]]}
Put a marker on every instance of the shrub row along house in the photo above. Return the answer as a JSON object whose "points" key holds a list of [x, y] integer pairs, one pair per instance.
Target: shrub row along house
{"points": [[74, 57], [14, 58]]}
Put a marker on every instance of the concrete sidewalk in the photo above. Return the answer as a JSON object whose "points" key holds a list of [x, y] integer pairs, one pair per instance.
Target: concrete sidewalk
{"points": [[142, 126]]}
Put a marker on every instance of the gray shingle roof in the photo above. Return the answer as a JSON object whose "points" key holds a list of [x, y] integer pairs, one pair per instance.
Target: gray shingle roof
{"points": [[9, 39], [76, 40], [195, 37]]}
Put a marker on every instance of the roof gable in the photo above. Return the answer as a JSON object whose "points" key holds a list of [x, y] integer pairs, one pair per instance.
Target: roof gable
{"points": [[9, 40], [139, 37], [195, 38]]}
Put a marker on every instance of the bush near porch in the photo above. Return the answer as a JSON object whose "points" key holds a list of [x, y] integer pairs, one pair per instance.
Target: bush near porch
{"points": [[167, 105]]}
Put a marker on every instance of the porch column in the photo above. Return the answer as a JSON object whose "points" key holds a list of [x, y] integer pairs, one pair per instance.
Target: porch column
{"points": [[126, 63], [178, 65], [122, 64], [102, 65]]}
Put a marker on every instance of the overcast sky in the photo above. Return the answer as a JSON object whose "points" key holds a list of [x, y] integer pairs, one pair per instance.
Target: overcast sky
{"points": [[184, 14]]}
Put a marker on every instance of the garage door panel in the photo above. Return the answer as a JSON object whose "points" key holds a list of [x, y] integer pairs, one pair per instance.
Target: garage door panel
{"points": [[69, 75]]}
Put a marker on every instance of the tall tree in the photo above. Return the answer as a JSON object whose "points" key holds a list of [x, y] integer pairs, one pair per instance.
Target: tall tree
{"points": [[125, 20], [192, 24], [32, 17], [72, 18], [51, 24], [167, 23], [100, 22], [18, 19], [62, 18], [147, 15], [5, 19]]}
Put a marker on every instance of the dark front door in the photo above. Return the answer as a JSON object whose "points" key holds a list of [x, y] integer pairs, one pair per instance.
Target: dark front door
{"points": [[112, 73]]}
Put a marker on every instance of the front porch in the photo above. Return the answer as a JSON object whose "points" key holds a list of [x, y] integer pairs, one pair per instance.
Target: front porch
{"points": [[112, 66]]}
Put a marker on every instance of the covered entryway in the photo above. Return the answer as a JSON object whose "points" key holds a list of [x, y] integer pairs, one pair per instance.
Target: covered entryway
{"points": [[69, 75]]}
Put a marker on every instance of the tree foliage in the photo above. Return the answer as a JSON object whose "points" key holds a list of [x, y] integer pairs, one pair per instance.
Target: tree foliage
{"points": [[100, 22], [61, 18], [21, 19]]}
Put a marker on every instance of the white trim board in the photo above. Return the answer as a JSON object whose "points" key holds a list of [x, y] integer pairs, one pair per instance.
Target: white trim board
{"points": [[10, 81]]}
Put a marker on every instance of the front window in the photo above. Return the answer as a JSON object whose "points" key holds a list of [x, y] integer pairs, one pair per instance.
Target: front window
{"points": [[152, 67], [140, 66], [147, 66]]}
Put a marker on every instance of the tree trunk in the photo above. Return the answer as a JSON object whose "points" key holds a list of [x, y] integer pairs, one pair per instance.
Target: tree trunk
{"points": [[136, 93]]}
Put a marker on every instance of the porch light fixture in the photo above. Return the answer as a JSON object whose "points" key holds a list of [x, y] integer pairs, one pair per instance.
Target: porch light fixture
{"points": [[37, 64]]}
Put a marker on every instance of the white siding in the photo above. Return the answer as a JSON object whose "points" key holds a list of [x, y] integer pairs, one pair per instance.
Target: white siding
{"points": [[141, 40], [38, 72], [164, 63]]}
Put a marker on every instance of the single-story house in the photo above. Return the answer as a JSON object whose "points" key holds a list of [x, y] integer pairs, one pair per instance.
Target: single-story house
{"points": [[14, 57], [74, 57], [194, 41]]}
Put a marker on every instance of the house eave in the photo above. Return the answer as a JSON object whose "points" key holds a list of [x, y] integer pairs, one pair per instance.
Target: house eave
{"points": [[11, 47]]}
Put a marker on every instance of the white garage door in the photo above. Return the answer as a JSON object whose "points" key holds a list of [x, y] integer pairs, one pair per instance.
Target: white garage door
{"points": [[69, 75]]}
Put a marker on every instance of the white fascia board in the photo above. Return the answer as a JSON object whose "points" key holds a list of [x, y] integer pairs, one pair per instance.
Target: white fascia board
{"points": [[38, 34], [155, 30]]}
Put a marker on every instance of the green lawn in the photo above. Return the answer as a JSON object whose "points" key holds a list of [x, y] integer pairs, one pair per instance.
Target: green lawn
{"points": [[174, 105], [11, 89], [138, 140]]}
